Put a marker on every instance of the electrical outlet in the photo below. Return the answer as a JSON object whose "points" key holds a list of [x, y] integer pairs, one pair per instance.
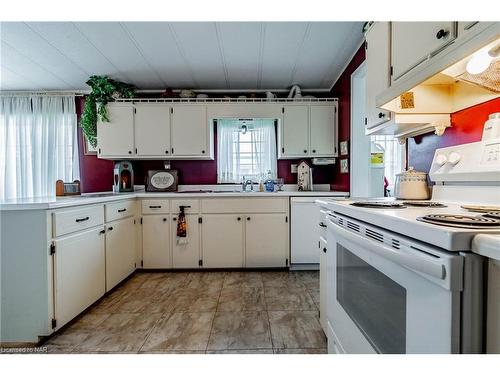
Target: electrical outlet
{"points": [[293, 168]]}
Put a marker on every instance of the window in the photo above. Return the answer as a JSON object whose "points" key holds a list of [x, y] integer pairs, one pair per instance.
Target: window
{"points": [[245, 148], [394, 157], [38, 144]]}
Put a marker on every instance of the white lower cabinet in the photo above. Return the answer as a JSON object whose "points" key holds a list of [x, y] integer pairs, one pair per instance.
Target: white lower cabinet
{"points": [[79, 265], [266, 240], [187, 254], [322, 284], [222, 241], [120, 251], [156, 241]]}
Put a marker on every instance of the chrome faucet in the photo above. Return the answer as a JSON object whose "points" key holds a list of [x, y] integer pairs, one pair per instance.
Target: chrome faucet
{"points": [[245, 183]]}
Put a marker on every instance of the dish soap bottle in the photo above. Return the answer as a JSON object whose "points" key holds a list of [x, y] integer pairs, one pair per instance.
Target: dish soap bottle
{"points": [[269, 182]]}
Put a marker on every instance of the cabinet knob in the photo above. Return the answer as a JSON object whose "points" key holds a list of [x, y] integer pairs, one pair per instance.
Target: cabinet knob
{"points": [[381, 115], [175, 219], [239, 219], [166, 151], [248, 218], [164, 219], [202, 151], [324, 249], [305, 151], [314, 151], [130, 152], [110, 228], [442, 34]]}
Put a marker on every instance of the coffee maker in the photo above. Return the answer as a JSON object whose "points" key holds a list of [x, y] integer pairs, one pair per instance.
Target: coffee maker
{"points": [[123, 177]]}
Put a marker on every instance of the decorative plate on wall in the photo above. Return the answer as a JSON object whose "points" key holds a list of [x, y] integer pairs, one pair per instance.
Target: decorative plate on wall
{"points": [[162, 180]]}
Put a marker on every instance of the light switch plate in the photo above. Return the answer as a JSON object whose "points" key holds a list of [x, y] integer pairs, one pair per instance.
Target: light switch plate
{"points": [[293, 168], [344, 148], [344, 166]]}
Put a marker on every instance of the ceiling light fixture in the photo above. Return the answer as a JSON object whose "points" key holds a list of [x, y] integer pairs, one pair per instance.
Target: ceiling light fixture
{"points": [[481, 60]]}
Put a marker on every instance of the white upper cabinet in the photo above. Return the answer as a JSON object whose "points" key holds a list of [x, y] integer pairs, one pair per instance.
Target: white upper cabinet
{"points": [[190, 131], [116, 137], [412, 43], [378, 65], [308, 130], [152, 129], [294, 131], [323, 134]]}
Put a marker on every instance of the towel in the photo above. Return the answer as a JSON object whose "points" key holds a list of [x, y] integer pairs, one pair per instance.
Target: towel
{"points": [[181, 227]]}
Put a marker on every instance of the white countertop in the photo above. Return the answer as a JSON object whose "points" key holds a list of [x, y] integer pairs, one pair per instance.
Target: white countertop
{"points": [[487, 245], [45, 203]]}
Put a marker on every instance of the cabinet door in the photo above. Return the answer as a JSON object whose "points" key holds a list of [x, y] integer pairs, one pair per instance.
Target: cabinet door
{"points": [[116, 137], [152, 129], [266, 238], [323, 125], [294, 134], [190, 130], [378, 66], [414, 42], [156, 241], [222, 236], [79, 273], [322, 284], [186, 255], [120, 251]]}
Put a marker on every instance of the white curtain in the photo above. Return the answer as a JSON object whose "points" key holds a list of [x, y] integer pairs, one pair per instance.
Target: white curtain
{"points": [[38, 144], [245, 148]]}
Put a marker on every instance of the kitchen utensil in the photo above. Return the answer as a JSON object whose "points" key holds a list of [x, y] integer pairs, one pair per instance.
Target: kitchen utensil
{"points": [[411, 185]]}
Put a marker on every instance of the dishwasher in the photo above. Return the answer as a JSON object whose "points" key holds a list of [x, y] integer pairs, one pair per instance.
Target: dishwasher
{"points": [[304, 233]]}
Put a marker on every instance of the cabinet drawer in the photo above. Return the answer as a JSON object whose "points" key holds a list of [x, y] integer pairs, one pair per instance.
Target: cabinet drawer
{"points": [[244, 205], [155, 206], [193, 203], [119, 210], [69, 221]]}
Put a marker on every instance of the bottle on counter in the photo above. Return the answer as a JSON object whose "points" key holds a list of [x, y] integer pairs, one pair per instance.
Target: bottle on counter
{"points": [[269, 182], [261, 183]]}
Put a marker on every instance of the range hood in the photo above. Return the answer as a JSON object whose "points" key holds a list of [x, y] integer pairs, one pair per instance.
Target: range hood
{"points": [[427, 106]]}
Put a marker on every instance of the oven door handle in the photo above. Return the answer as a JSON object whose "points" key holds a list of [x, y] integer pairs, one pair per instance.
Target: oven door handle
{"points": [[417, 263]]}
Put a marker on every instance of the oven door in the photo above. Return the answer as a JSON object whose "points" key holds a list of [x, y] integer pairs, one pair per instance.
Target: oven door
{"points": [[384, 299]]}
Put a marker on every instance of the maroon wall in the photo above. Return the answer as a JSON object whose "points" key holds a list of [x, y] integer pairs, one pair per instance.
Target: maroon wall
{"points": [[342, 90], [97, 174], [466, 127]]}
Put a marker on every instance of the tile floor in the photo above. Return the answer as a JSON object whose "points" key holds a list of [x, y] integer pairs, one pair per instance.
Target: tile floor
{"points": [[202, 312]]}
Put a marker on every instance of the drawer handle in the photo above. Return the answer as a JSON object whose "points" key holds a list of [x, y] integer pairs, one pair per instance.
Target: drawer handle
{"points": [[322, 225], [184, 207], [82, 219], [154, 206], [122, 210]]}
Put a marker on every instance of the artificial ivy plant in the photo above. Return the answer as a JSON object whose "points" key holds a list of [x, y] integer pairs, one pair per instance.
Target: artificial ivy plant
{"points": [[104, 90]]}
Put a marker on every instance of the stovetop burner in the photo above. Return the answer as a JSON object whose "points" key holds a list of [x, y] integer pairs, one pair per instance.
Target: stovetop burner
{"points": [[378, 204], [461, 221], [430, 204], [493, 215]]}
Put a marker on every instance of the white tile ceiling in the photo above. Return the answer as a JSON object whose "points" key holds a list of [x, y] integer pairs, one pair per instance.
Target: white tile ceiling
{"points": [[154, 55]]}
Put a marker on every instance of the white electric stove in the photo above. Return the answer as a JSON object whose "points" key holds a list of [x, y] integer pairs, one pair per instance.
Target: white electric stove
{"points": [[401, 277]]}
